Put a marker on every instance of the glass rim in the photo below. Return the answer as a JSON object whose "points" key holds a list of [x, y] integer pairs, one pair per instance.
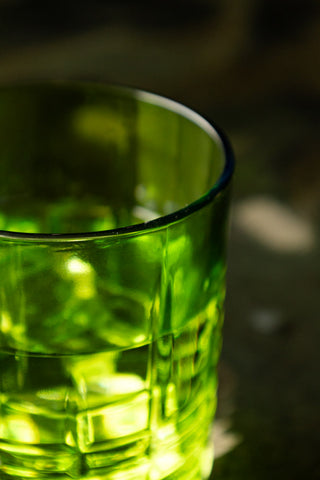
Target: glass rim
{"points": [[160, 222]]}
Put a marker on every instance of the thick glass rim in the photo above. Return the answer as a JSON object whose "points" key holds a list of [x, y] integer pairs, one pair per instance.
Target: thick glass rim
{"points": [[163, 221]]}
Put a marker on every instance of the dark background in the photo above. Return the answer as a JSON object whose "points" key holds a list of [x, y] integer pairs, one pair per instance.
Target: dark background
{"points": [[253, 67]]}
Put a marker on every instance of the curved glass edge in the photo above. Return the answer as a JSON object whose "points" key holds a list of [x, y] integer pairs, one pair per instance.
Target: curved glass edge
{"points": [[215, 132]]}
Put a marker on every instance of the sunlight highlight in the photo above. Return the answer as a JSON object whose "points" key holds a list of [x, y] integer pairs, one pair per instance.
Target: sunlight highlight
{"points": [[275, 225]]}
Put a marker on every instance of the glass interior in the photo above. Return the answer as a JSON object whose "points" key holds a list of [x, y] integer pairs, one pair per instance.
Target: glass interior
{"points": [[83, 158]]}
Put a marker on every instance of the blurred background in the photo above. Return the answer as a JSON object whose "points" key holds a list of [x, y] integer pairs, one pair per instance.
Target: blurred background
{"points": [[253, 67]]}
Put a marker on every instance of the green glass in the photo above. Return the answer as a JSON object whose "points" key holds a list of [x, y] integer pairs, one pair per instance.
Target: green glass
{"points": [[113, 214]]}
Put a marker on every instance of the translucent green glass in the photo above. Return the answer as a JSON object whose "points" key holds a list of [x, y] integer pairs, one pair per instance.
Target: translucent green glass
{"points": [[113, 213]]}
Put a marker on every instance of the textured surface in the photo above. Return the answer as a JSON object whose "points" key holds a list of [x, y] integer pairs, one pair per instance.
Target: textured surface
{"points": [[253, 67]]}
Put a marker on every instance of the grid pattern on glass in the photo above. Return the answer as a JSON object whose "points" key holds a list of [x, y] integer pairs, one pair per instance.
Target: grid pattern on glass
{"points": [[109, 339]]}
